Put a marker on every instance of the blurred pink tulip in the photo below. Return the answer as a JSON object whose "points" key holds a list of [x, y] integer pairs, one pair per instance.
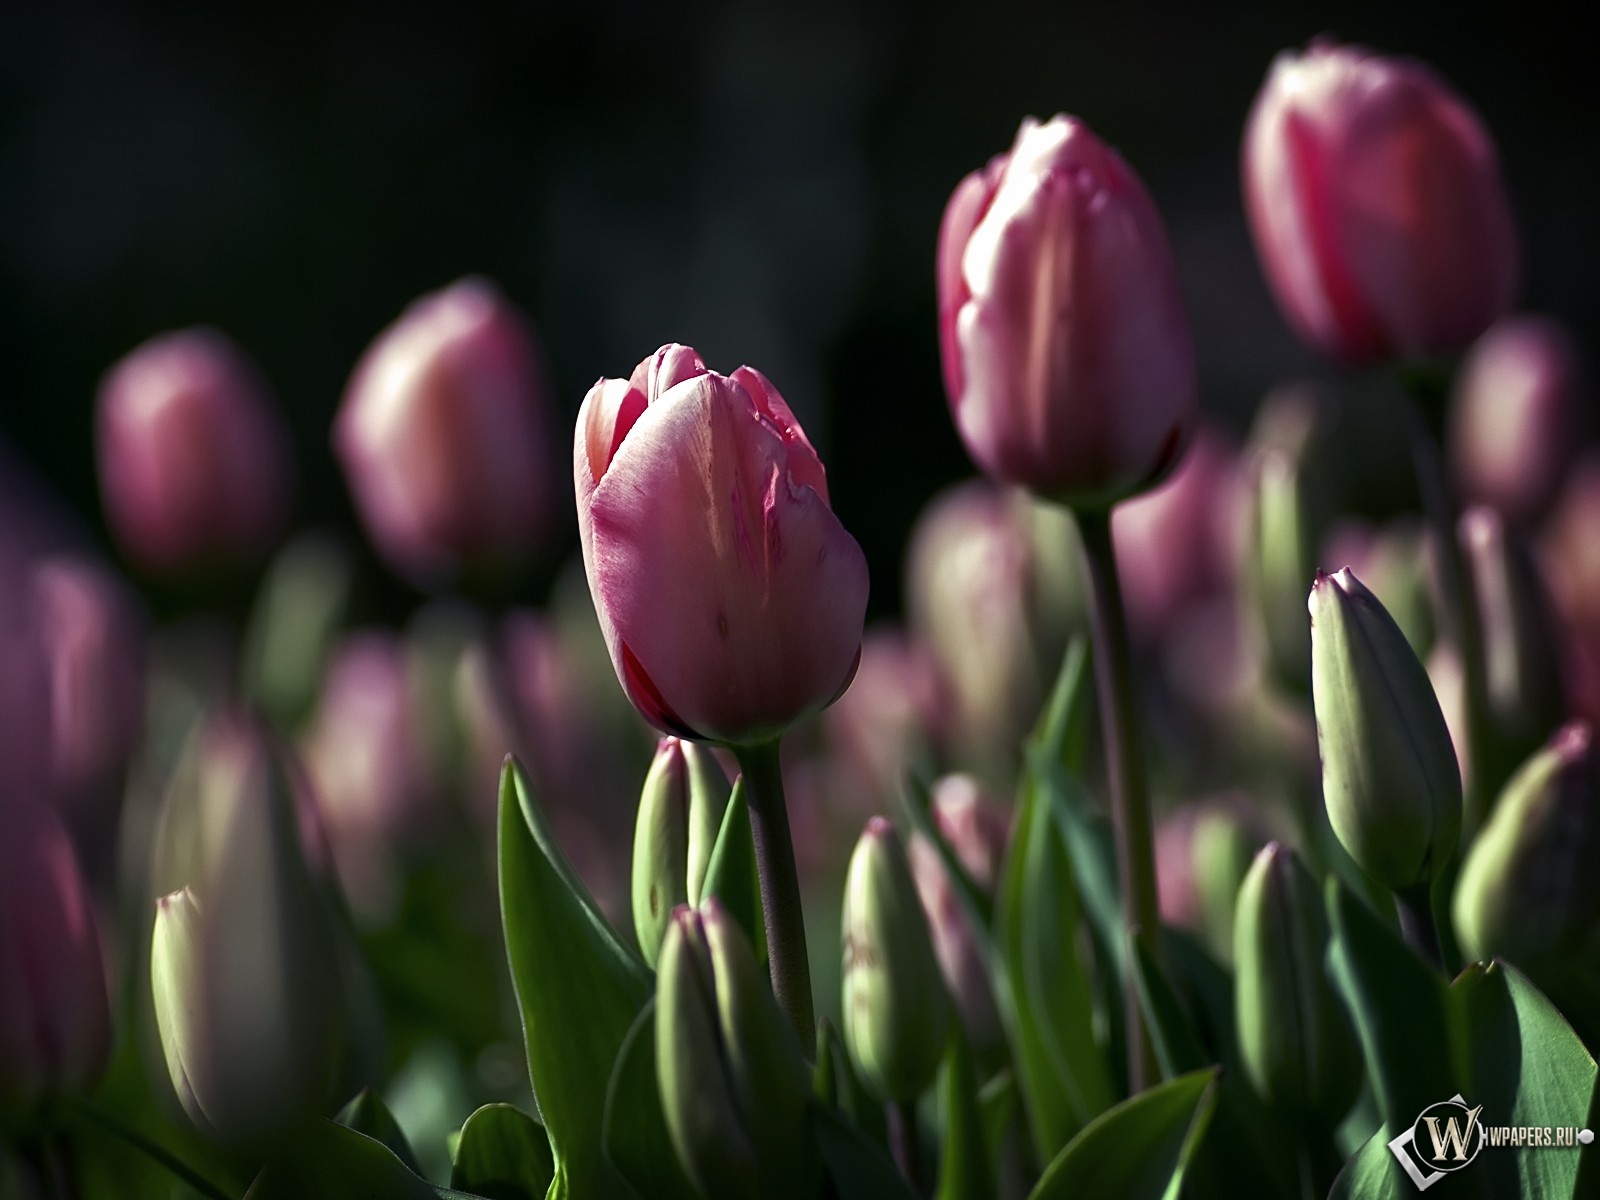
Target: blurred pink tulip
{"points": [[1375, 198], [193, 453], [731, 597], [444, 434], [25, 766], [1516, 417], [1067, 354], [55, 1019], [878, 727], [1570, 556], [92, 634]]}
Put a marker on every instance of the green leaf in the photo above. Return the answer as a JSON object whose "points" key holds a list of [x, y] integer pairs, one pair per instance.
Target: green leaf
{"points": [[998, 1102], [503, 1154], [965, 1169], [634, 1132], [579, 989], [1138, 1150], [1062, 734], [1399, 1007], [1172, 1033], [368, 1114], [731, 871], [330, 1162], [859, 1167]]}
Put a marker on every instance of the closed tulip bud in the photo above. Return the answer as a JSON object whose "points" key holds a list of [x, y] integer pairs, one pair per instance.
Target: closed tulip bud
{"points": [[734, 1086], [92, 634], [1375, 199], [680, 812], [731, 597], [1067, 355], [1389, 774], [444, 435], [193, 453], [1294, 1035], [245, 974], [896, 1009], [55, 1019], [1528, 889], [1516, 417]]}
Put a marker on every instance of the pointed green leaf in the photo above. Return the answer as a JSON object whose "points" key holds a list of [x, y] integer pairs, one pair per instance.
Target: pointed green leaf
{"points": [[368, 1114], [998, 1102], [330, 1162], [965, 1170], [731, 871], [859, 1168], [1172, 1034], [1062, 734], [579, 989], [1138, 1150], [635, 1132], [502, 1154]]}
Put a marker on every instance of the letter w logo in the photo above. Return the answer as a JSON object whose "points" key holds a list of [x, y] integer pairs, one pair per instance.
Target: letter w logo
{"points": [[1455, 1138]]}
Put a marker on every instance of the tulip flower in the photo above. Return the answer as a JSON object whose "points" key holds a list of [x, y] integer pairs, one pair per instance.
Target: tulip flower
{"points": [[444, 434], [1389, 774], [680, 811], [1516, 417], [1067, 355], [896, 1010], [193, 453], [1375, 200], [731, 597], [55, 1017]]}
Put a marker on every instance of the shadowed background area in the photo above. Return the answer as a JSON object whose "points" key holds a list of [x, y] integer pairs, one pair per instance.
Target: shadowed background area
{"points": [[765, 185]]}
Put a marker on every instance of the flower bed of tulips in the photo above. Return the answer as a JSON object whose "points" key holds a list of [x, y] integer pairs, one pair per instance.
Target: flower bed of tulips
{"points": [[1189, 837]]}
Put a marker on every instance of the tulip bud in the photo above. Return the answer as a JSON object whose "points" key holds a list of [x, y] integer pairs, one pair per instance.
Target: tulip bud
{"points": [[444, 434], [896, 1009], [1203, 852], [92, 634], [1067, 355], [734, 1086], [1289, 503], [1516, 417], [193, 453], [1375, 200], [1294, 1035], [245, 971], [55, 1019], [1389, 774], [731, 597], [1522, 656], [1528, 890], [680, 812]]}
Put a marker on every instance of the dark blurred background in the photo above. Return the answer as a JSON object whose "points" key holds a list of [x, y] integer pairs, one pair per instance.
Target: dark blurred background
{"points": [[762, 181]]}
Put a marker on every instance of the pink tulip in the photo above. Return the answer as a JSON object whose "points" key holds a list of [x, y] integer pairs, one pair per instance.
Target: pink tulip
{"points": [[193, 454], [1067, 355], [1375, 198], [731, 597], [1516, 417], [55, 1019], [444, 434], [884, 721]]}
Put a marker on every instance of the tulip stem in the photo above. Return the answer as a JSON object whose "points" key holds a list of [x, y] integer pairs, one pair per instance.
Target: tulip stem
{"points": [[1417, 924], [781, 907], [1130, 802], [174, 1165]]}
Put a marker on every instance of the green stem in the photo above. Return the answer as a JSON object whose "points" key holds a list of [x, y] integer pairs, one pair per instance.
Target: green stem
{"points": [[780, 889], [159, 1154], [1130, 802]]}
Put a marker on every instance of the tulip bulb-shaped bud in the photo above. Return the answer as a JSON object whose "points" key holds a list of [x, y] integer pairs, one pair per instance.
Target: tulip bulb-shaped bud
{"points": [[1389, 775], [1516, 417], [55, 1019], [444, 434], [193, 453], [1521, 652], [680, 811], [1067, 355], [245, 973], [1375, 199], [1288, 503], [1528, 889], [896, 1010], [734, 1086], [731, 597], [1294, 1035]]}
